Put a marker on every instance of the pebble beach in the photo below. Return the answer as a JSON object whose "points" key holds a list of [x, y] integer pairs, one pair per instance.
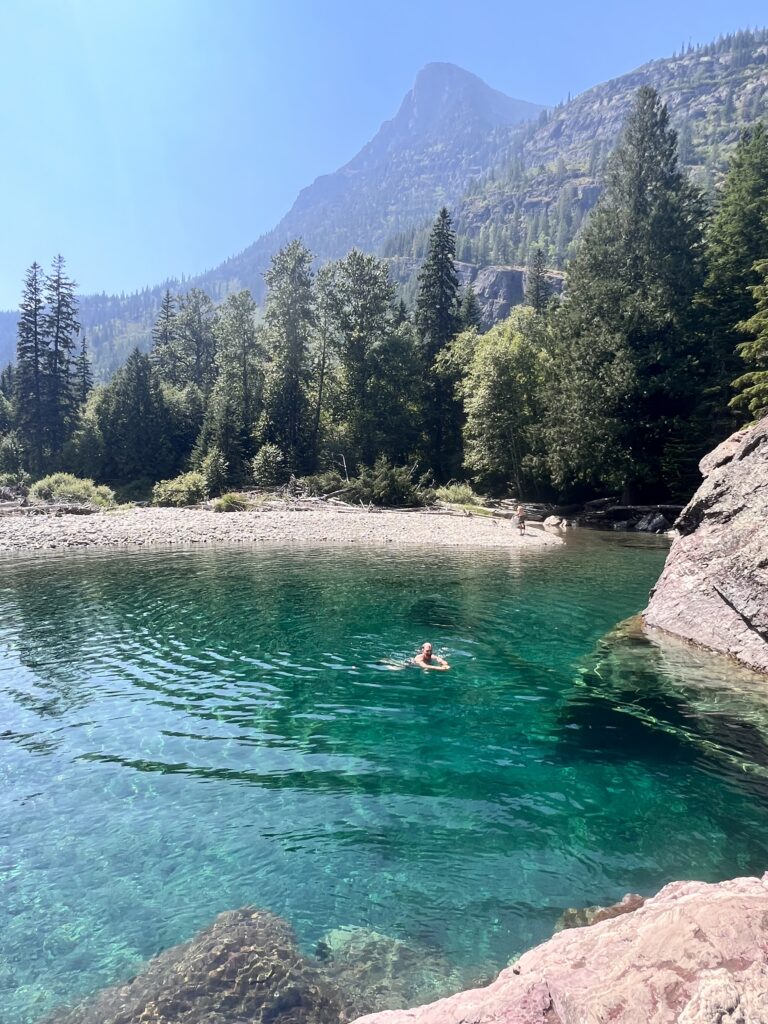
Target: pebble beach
{"points": [[148, 527]]}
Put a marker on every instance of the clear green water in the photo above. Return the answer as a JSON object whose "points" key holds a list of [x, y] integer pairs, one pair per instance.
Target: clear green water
{"points": [[187, 732]]}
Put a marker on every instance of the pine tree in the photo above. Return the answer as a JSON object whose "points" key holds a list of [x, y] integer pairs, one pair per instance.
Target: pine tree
{"points": [[752, 387], [61, 327], [438, 319], [471, 314], [163, 354], [32, 369], [401, 313], [193, 342], [235, 402], [290, 321], [736, 241], [83, 376], [538, 290], [437, 306], [358, 297], [626, 384]]}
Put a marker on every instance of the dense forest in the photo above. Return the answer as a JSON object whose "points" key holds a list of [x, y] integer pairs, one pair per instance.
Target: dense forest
{"points": [[656, 350]]}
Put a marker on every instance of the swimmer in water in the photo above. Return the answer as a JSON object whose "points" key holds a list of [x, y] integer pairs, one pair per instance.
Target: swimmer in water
{"points": [[426, 659]]}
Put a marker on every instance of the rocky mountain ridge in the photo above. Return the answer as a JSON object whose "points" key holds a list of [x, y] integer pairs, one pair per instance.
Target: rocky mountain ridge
{"points": [[511, 183]]}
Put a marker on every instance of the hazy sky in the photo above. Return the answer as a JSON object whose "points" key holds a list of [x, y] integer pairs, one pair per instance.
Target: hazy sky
{"points": [[144, 139]]}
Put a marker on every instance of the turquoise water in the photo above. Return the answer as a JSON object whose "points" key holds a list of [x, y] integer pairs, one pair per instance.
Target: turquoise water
{"points": [[187, 732]]}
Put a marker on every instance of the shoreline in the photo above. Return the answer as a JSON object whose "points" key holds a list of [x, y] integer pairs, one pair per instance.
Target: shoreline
{"points": [[195, 527]]}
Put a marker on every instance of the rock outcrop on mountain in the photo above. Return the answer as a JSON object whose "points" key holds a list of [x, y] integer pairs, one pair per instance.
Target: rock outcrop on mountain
{"points": [[693, 954], [714, 587]]}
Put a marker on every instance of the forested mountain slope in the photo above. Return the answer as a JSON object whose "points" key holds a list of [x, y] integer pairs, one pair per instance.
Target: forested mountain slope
{"points": [[510, 184]]}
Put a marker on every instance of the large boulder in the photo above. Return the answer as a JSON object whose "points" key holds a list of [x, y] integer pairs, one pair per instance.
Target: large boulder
{"points": [[692, 953], [714, 587], [244, 967]]}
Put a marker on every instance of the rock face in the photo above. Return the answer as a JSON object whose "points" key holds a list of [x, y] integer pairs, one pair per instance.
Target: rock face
{"points": [[714, 587], [693, 953]]}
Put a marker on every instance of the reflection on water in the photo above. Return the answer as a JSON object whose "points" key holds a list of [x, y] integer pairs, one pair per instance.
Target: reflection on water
{"points": [[187, 732]]}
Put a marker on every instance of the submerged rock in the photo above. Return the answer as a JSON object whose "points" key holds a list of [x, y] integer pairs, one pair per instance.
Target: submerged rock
{"points": [[245, 967], [692, 953], [582, 917], [714, 587], [379, 972]]}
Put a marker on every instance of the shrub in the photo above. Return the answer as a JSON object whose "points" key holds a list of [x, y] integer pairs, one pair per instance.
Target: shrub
{"points": [[214, 468], [15, 481], [458, 494], [186, 489], [269, 466], [231, 503], [324, 483], [64, 488], [387, 484]]}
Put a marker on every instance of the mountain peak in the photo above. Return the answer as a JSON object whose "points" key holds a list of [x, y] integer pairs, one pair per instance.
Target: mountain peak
{"points": [[443, 92]]}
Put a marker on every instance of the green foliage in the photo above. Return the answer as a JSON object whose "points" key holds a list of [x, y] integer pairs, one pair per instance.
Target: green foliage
{"points": [[538, 290], [752, 386], [135, 491], [231, 503], [458, 494], [19, 482], [269, 468], [625, 380], [11, 454], [213, 470], [290, 321], [736, 241], [185, 489], [438, 319], [328, 482], [389, 485], [64, 488], [502, 401]]}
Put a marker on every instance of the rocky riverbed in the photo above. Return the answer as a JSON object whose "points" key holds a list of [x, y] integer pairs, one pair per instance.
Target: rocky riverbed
{"points": [[142, 527]]}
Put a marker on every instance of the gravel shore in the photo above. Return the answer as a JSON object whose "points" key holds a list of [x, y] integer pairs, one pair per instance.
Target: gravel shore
{"points": [[141, 527]]}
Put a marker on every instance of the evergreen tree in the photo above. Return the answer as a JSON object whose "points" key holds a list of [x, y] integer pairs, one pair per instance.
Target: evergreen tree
{"points": [[737, 239], [132, 418], [7, 381], [538, 290], [60, 327], [626, 383], [235, 402], [188, 342], [401, 313], [752, 387], [83, 375], [290, 321], [437, 306], [471, 314], [32, 368], [163, 353], [438, 319]]}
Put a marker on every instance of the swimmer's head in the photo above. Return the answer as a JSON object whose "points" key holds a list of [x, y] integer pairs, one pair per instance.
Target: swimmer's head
{"points": [[427, 649]]}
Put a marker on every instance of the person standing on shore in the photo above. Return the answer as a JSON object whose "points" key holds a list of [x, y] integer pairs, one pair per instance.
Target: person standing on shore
{"points": [[520, 516]]}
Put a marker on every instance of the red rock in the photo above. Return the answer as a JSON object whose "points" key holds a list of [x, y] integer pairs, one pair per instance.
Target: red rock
{"points": [[692, 953]]}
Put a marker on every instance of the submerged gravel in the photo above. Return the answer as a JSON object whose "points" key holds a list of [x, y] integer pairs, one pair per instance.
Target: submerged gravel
{"points": [[139, 527]]}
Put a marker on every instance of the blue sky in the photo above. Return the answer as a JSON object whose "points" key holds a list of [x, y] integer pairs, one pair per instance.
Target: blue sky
{"points": [[149, 138]]}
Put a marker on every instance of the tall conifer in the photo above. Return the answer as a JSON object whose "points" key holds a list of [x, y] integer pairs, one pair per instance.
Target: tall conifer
{"points": [[438, 320], [32, 368], [736, 241], [61, 327], [627, 379]]}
